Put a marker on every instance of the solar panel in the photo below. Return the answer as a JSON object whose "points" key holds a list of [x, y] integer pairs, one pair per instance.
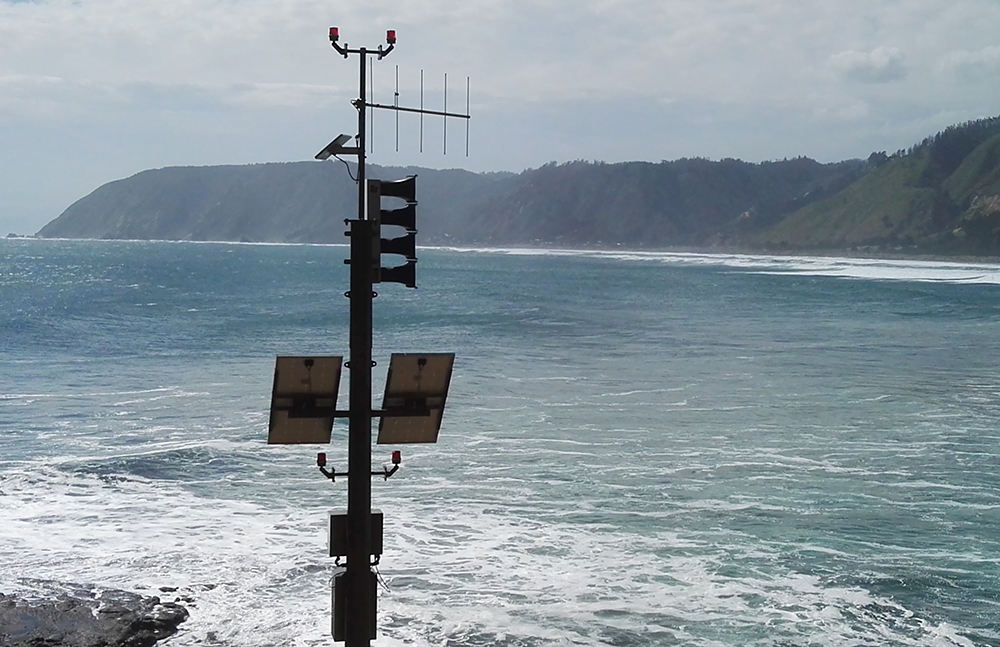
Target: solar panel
{"points": [[415, 393], [303, 399]]}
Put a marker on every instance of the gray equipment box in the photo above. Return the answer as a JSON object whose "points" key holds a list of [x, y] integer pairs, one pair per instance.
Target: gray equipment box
{"points": [[339, 620], [337, 533]]}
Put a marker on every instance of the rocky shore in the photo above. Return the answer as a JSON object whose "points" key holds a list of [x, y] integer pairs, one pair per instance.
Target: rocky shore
{"points": [[53, 614]]}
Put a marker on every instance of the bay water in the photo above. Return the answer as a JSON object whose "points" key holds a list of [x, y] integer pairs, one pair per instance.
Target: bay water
{"points": [[638, 448]]}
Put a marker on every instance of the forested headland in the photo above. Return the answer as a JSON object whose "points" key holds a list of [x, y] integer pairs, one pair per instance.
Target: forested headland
{"points": [[940, 196]]}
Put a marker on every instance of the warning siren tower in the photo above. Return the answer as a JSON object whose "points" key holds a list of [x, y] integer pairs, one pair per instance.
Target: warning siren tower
{"points": [[305, 390]]}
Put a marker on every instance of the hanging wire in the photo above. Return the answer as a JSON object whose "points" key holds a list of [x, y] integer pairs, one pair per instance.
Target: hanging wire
{"points": [[421, 111], [381, 580], [445, 119], [467, 113], [351, 175], [395, 103], [371, 109]]}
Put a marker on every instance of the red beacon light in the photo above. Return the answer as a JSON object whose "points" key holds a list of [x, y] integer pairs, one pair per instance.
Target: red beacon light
{"points": [[334, 34], [397, 457], [321, 459], [390, 36]]}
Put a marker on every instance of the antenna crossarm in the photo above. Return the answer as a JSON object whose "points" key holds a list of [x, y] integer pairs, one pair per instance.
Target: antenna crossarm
{"points": [[417, 110]]}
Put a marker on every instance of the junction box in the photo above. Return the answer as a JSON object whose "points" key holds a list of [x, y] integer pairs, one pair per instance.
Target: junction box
{"points": [[337, 533], [339, 628]]}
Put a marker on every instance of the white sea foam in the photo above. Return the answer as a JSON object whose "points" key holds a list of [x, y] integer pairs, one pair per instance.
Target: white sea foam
{"points": [[656, 489], [257, 574], [842, 267]]}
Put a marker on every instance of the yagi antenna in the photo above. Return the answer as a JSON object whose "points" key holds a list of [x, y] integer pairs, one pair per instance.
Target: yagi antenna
{"points": [[443, 113]]}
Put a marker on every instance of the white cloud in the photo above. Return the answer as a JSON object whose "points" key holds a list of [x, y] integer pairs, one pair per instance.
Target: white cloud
{"points": [[973, 65], [880, 65], [46, 99], [843, 111], [137, 84]]}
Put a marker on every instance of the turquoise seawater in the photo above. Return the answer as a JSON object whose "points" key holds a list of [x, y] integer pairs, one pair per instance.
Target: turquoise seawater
{"points": [[638, 449]]}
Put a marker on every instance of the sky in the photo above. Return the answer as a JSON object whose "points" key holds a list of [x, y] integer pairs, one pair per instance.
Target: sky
{"points": [[93, 91]]}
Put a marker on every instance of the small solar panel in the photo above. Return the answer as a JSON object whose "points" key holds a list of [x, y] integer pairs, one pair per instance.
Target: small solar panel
{"points": [[303, 399], [415, 392]]}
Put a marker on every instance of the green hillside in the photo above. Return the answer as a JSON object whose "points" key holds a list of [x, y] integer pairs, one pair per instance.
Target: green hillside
{"points": [[941, 196]]}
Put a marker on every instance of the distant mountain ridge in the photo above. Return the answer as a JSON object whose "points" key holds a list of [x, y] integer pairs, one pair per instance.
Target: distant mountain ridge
{"points": [[941, 196], [296, 202]]}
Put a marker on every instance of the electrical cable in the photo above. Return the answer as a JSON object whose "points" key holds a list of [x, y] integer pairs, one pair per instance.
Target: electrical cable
{"points": [[348, 169], [381, 580]]}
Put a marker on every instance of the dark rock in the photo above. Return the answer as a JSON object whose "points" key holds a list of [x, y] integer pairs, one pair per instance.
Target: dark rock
{"points": [[68, 615]]}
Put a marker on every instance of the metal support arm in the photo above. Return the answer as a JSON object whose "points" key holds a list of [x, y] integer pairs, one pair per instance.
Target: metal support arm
{"points": [[385, 473], [344, 51]]}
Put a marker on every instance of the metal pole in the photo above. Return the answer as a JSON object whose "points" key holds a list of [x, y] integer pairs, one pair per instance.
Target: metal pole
{"points": [[362, 136], [358, 607]]}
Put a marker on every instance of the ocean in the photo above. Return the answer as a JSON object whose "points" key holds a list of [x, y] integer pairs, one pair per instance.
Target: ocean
{"points": [[639, 449]]}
